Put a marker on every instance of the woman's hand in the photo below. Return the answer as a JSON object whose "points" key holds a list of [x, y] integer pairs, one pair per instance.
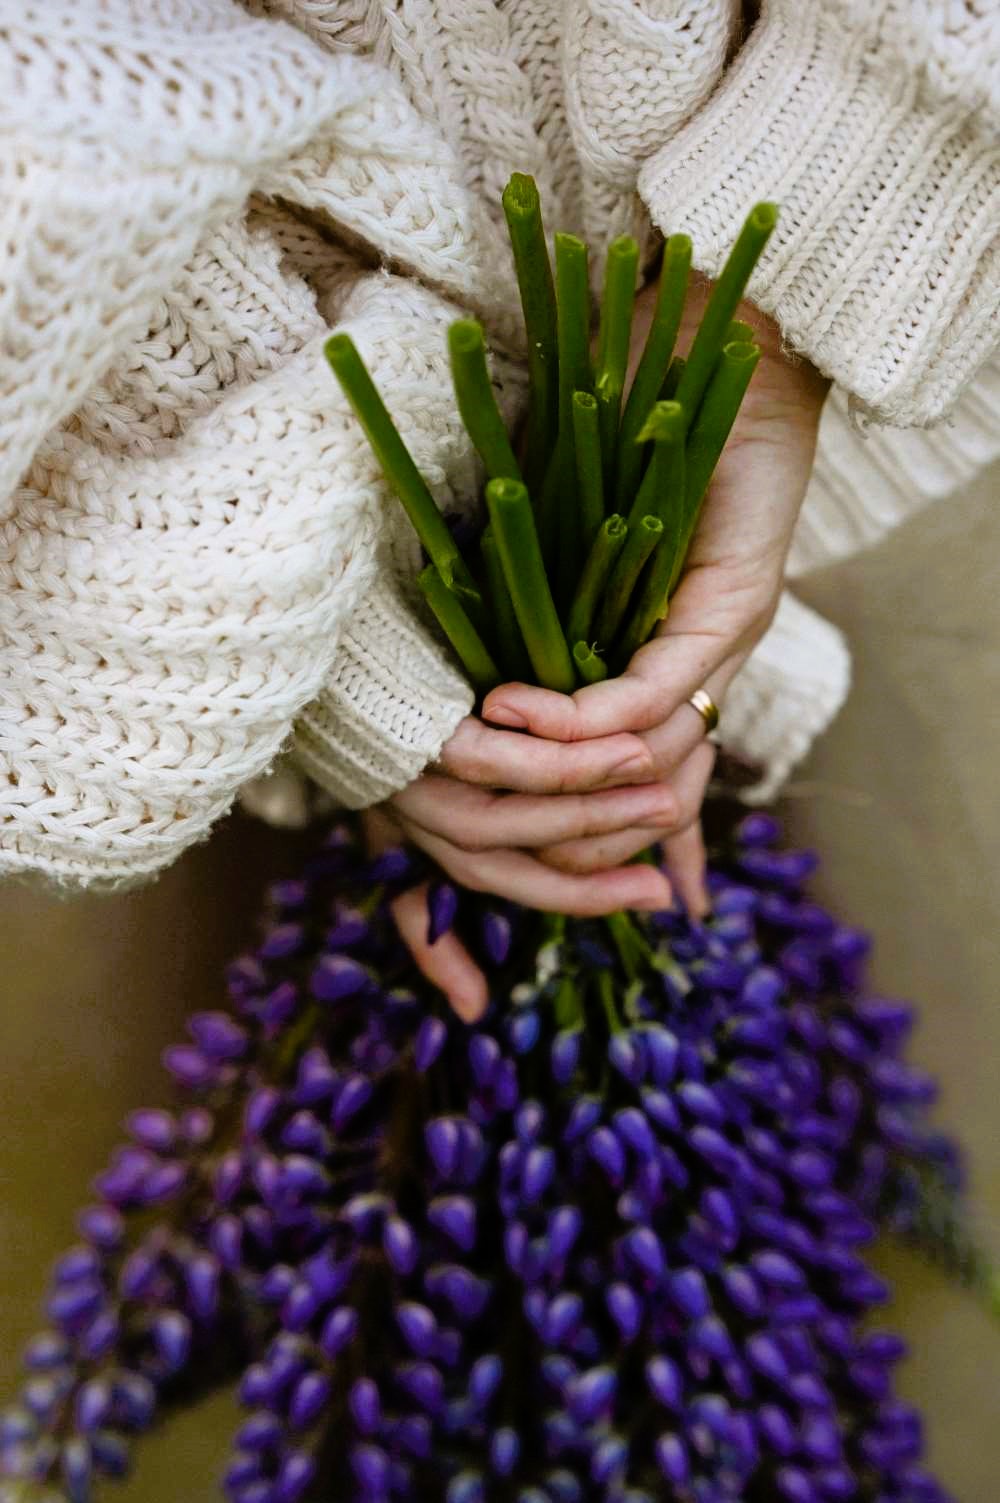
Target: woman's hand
{"points": [[616, 766], [488, 841], [724, 604]]}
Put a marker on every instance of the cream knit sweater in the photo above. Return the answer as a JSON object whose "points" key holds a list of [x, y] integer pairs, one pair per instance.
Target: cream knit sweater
{"points": [[199, 566]]}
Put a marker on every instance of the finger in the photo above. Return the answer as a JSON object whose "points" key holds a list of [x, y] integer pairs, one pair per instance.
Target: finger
{"points": [[661, 676], [526, 880], [602, 852], [594, 855], [674, 740], [475, 753], [477, 819], [686, 861], [447, 964]]}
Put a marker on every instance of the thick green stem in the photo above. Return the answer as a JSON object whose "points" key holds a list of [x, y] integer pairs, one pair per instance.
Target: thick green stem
{"points": [[615, 330], [590, 479], [737, 332], [590, 666], [707, 437], [538, 302], [639, 544], [661, 493], [559, 524], [476, 400], [513, 653], [604, 552], [517, 541], [473, 654], [671, 381], [654, 364], [396, 460], [722, 304], [704, 445]]}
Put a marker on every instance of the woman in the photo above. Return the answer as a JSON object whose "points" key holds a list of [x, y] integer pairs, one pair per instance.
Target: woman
{"points": [[199, 571]]}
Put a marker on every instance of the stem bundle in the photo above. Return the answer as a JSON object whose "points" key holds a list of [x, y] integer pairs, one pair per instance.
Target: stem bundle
{"points": [[652, 459]]}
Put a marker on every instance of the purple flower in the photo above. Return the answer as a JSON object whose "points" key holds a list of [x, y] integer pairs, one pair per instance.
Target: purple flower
{"points": [[652, 1202]]}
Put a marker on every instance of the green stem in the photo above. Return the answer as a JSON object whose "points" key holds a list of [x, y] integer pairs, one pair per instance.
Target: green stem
{"points": [[559, 506], [661, 493], [722, 304], [633, 951], [649, 608], [708, 435], [738, 332], [704, 445], [476, 400], [671, 381], [513, 653], [396, 460], [522, 209], [590, 666], [567, 1005], [653, 365], [604, 551], [639, 544], [482, 672], [587, 436], [517, 541], [606, 993], [615, 330]]}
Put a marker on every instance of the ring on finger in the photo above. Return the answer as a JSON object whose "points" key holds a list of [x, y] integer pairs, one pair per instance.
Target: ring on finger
{"points": [[706, 707]]}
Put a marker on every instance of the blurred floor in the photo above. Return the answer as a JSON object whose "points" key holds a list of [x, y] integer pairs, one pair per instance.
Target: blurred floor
{"points": [[902, 798]]}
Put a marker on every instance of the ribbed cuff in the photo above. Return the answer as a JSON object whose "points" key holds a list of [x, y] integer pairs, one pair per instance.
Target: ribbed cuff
{"points": [[792, 686], [884, 267], [389, 706]]}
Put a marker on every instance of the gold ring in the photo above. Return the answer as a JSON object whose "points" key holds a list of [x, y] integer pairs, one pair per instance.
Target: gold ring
{"points": [[703, 702]]}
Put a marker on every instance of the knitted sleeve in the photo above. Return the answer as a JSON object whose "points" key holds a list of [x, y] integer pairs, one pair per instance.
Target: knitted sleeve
{"points": [[876, 126], [192, 538]]}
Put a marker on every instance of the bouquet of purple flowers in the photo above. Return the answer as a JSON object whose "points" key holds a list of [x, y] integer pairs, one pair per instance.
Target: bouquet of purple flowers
{"points": [[605, 1246]]}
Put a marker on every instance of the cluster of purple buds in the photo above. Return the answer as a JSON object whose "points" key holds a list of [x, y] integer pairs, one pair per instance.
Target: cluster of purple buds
{"points": [[604, 1247]]}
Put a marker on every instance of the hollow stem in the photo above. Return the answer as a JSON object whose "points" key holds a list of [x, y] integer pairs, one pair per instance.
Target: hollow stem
{"points": [[513, 653], [614, 333], [604, 551], [671, 381], [708, 435], [722, 304], [559, 526], [522, 208], [661, 493], [396, 460], [472, 652], [639, 544], [476, 400], [516, 537], [653, 365], [590, 479], [590, 666], [704, 445], [738, 332]]}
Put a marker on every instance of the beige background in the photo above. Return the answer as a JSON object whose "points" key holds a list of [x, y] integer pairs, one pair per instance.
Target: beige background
{"points": [[903, 798]]}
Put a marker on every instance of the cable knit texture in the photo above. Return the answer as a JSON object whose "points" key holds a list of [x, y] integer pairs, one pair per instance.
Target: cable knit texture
{"points": [[200, 569], [876, 126]]}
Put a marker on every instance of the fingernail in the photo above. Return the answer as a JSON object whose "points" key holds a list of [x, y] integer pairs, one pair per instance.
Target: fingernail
{"points": [[638, 762], [501, 715]]}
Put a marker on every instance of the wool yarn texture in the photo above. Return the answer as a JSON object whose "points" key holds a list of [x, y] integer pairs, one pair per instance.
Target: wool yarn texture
{"points": [[199, 573]]}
